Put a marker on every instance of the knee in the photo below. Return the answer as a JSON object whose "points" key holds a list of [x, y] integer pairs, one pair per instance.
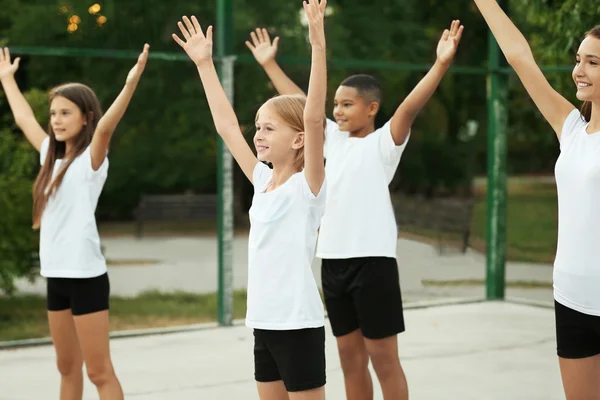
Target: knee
{"points": [[68, 366], [353, 360], [100, 374], [385, 363]]}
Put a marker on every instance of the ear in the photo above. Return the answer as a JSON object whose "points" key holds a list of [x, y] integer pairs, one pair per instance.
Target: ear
{"points": [[89, 118], [298, 141], [373, 109]]}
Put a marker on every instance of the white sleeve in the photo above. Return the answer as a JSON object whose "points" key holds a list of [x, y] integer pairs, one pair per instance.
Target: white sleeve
{"points": [[390, 153], [332, 134], [260, 176], [101, 172], [308, 194], [573, 122], [44, 150]]}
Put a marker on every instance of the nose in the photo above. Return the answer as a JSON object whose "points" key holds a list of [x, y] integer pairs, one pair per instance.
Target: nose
{"points": [[337, 112]]}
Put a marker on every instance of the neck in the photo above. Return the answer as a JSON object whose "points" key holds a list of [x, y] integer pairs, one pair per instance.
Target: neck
{"points": [[594, 125], [364, 131], [281, 173]]}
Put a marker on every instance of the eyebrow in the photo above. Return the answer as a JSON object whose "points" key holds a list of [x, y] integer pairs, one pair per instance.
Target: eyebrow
{"points": [[343, 100], [589, 56]]}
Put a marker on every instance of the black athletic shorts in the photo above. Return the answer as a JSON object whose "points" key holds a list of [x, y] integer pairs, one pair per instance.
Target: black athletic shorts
{"points": [[577, 334], [363, 293], [81, 295], [297, 357]]}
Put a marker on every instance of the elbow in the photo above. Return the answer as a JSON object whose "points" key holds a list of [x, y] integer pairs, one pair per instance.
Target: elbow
{"points": [[519, 55], [225, 130]]}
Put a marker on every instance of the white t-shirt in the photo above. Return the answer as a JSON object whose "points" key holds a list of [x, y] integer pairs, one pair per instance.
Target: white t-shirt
{"points": [[69, 240], [577, 263], [359, 218], [282, 292]]}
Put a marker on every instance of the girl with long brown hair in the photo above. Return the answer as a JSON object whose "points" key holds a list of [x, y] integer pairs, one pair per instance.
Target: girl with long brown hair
{"points": [[577, 262], [73, 156]]}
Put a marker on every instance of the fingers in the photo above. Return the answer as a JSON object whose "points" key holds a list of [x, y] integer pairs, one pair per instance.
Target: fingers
{"points": [[189, 25], [459, 34], [183, 30], [6, 55], [17, 60], [209, 33], [178, 41], [260, 36], [323, 5], [196, 24], [144, 56], [2, 51], [276, 42], [254, 38], [250, 46], [266, 36], [445, 35]]}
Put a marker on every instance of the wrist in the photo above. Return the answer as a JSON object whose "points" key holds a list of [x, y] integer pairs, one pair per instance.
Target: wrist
{"points": [[443, 64], [268, 64]]}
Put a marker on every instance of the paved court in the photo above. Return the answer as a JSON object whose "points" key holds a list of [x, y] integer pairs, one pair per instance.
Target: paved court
{"points": [[477, 351]]}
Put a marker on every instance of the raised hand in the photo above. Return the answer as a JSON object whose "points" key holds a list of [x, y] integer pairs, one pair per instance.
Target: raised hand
{"points": [[6, 67], [136, 72], [261, 47], [315, 14], [197, 46], [448, 44]]}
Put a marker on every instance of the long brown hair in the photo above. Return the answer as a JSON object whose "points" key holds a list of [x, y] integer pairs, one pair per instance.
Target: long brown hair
{"points": [[290, 108], [44, 186], [586, 109]]}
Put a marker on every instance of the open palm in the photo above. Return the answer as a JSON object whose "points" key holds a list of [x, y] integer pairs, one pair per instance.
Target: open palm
{"points": [[449, 42], [136, 72], [197, 46], [6, 67], [261, 47]]}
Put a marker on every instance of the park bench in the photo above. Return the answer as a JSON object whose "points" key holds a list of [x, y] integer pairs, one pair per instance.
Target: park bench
{"points": [[175, 207], [445, 216]]}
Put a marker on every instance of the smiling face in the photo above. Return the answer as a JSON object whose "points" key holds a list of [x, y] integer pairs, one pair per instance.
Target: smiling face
{"points": [[275, 141], [586, 73], [351, 111], [66, 119]]}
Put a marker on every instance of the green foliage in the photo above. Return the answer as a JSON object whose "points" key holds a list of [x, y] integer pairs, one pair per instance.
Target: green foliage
{"points": [[18, 242]]}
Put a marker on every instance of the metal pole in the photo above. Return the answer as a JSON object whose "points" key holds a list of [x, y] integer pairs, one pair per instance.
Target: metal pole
{"points": [[497, 176], [225, 169]]}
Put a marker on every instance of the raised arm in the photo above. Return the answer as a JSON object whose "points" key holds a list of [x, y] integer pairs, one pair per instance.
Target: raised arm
{"points": [[264, 52], [554, 107], [199, 48], [314, 111], [413, 103], [22, 112], [109, 121]]}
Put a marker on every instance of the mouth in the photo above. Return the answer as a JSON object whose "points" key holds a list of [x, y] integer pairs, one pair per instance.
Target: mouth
{"points": [[260, 148], [341, 121], [59, 130], [583, 85]]}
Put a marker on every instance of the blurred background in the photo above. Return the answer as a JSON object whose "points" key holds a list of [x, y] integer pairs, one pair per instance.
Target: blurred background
{"points": [[164, 272]]}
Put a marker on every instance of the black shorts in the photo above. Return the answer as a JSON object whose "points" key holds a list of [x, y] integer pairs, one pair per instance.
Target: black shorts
{"points": [[363, 293], [81, 295], [297, 357], [577, 334]]}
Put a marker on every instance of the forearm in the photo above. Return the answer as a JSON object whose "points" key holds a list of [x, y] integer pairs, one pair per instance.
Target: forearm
{"points": [[222, 112], [108, 123], [420, 95], [511, 41], [19, 106], [283, 84], [314, 111]]}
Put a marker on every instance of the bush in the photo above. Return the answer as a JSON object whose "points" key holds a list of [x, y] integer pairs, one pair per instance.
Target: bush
{"points": [[18, 241]]}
